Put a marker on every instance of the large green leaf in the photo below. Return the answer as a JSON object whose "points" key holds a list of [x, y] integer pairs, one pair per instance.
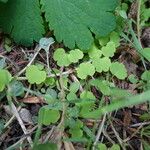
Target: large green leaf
{"points": [[74, 20], [118, 104], [4, 1], [22, 19]]}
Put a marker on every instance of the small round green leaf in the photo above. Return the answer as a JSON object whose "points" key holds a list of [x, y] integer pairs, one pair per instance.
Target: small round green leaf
{"points": [[118, 70], [61, 57], [94, 52], [101, 146], [102, 64], [75, 55], [85, 70], [48, 116], [76, 132], [34, 75], [115, 147], [114, 37], [109, 49]]}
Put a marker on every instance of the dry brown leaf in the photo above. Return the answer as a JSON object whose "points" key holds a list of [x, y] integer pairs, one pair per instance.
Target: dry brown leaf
{"points": [[33, 100]]}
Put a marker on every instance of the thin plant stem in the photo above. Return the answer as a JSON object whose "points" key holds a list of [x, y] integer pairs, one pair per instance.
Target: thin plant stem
{"points": [[99, 132], [37, 135], [37, 49], [138, 20]]}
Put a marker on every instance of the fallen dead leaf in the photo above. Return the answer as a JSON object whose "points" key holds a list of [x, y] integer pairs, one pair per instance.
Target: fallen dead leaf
{"points": [[33, 100]]}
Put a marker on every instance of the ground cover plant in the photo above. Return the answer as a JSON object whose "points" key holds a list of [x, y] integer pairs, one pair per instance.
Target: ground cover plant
{"points": [[74, 74]]}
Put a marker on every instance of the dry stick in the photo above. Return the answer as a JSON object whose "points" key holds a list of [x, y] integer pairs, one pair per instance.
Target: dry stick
{"points": [[11, 119], [49, 134], [52, 75], [68, 144], [99, 131], [14, 110], [37, 49], [129, 138], [117, 136], [74, 78], [18, 109], [139, 124], [15, 144], [107, 136]]}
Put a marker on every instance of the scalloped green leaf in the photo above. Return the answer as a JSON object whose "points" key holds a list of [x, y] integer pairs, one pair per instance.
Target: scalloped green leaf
{"points": [[48, 116], [22, 19], [101, 146], [102, 64], [118, 70], [76, 20], [114, 37], [61, 57], [34, 75], [115, 147], [76, 132], [109, 49], [85, 69], [75, 55], [94, 52]]}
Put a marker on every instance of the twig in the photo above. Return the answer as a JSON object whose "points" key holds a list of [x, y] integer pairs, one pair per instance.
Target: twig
{"points": [[74, 78], [37, 49], [51, 75], [117, 136], [99, 131], [14, 110], [139, 124], [15, 144], [129, 138], [11, 119], [49, 134], [107, 136], [21, 123]]}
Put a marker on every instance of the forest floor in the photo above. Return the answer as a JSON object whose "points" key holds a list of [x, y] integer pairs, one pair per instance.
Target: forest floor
{"points": [[128, 128]]}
